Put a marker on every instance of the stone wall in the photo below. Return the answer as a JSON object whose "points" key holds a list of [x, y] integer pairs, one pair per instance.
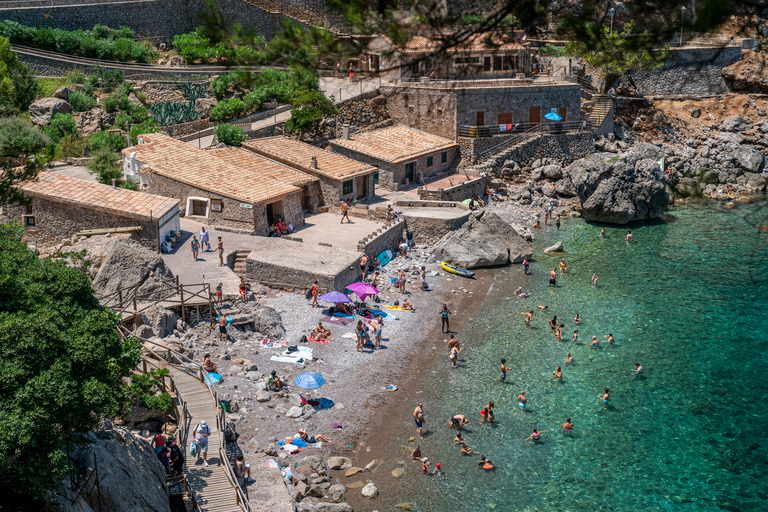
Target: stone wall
{"points": [[431, 110], [56, 221], [361, 111], [459, 192], [386, 238], [157, 20], [565, 148], [178, 130], [688, 72], [430, 230], [518, 102]]}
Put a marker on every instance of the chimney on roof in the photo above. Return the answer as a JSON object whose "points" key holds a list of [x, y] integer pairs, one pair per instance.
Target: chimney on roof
{"points": [[313, 163], [345, 131]]}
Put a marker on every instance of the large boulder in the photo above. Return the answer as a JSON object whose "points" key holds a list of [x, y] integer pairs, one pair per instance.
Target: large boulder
{"points": [[41, 111], [128, 264], [263, 319], [204, 105], [92, 121], [62, 92], [117, 453], [162, 321], [751, 160], [339, 463], [619, 189], [323, 507], [485, 240], [736, 124]]}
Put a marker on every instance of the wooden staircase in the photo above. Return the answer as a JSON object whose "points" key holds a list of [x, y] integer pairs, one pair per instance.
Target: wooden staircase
{"points": [[239, 267]]}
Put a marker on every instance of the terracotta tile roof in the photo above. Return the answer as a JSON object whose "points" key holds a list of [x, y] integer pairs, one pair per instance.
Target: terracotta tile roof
{"points": [[493, 42], [299, 154], [263, 166], [87, 194], [395, 143], [183, 162]]}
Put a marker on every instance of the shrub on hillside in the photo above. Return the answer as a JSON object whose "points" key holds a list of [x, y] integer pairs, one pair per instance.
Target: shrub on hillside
{"points": [[229, 134], [227, 109], [81, 102], [61, 126]]}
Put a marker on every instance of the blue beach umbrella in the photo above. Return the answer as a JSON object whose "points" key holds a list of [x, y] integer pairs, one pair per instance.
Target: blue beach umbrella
{"points": [[309, 380], [553, 116]]}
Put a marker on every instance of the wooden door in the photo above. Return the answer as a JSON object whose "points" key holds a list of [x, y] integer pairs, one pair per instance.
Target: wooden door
{"points": [[480, 118], [534, 114], [561, 112]]}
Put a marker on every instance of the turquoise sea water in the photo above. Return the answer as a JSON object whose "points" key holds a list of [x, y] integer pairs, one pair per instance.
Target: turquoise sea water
{"points": [[689, 301]]}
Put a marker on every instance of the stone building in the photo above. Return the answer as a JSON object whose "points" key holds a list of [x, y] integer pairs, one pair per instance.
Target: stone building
{"points": [[63, 206], [341, 178], [481, 107], [402, 154], [211, 189], [493, 55], [311, 195]]}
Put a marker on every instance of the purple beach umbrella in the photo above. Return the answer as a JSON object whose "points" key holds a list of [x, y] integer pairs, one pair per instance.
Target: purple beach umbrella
{"points": [[363, 290], [334, 297]]}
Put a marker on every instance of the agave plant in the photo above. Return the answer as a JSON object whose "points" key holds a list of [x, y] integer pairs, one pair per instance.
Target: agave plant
{"points": [[167, 113], [194, 91]]}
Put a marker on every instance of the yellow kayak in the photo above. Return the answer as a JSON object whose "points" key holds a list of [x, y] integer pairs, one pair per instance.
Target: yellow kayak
{"points": [[459, 271]]}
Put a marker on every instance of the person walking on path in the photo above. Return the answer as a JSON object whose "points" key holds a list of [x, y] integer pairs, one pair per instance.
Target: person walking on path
{"points": [[446, 327], [177, 458], [202, 431], [418, 417], [363, 265], [344, 212], [220, 248], [195, 247], [204, 239], [222, 328]]}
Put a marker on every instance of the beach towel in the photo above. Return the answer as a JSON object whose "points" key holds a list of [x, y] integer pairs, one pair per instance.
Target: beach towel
{"points": [[327, 312], [325, 403], [287, 359], [350, 335], [291, 448], [324, 342], [297, 441], [395, 308]]}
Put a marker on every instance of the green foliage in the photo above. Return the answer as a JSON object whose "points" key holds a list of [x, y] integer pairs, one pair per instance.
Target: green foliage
{"points": [[146, 390], [197, 47], [105, 164], [71, 146], [75, 77], [309, 108], [63, 365], [167, 113], [19, 139], [195, 91], [617, 52], [147, 126], [552, 51], [104, 139], [101, 42], [61, 126], [17, 86], [229, 134], [81, 102], [478, 18], [227, 109]]}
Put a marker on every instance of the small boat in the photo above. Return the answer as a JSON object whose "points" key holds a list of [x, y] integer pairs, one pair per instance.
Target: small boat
{"points": [[453, 269]]}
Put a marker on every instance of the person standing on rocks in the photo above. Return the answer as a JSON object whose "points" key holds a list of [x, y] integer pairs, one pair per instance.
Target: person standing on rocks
{"points": [[360, 332], [204, 239], [220, 249], [195, 247], [363, 265], [315, 290], [418, 417], [444, 317], [202, 432], [377, 333], [423, 274], [409, 238], [222, 328], [344, 212], [401, 282]]}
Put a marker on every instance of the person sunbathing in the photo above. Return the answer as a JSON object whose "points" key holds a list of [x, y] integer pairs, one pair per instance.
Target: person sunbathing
{"points": [[317, 335], [322, 329], [342, 308], [313, 439], [208, 365]]}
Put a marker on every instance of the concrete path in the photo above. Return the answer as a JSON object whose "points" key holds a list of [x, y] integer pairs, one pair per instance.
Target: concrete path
{"points": [[74, 171], [206, 268], [327, 228]]}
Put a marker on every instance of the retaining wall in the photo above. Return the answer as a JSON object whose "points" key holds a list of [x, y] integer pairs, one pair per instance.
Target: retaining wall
{"points": [[465, 190], [390, 238]]}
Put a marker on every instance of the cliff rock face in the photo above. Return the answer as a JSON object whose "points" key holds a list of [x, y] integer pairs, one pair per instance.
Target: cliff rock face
{"points": [[485, 240], [128, 263], [617, 189], [130, 478]]}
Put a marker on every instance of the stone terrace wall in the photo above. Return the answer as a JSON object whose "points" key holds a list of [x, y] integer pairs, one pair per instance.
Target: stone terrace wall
{"points": [[56, 222], [460, 192], [362, 111], [688, 72], [566, 148], [158, 20], [385, 238]]}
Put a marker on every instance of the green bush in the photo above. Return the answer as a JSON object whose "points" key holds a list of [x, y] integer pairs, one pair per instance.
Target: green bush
{"points": [[195, 91], [72, 146], [104, 139], [229, 134], [552, 50], [75, 77], [100, 42], [61, 126], [227, 109], [147, 126], [81, 102], [195, 47]]}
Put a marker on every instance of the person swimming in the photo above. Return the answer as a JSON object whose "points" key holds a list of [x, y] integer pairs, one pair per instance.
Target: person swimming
{"points": [[522, 401], [638, 369], [594, 342], [610, 338], [485, 463], [457, 420], [602, 233], [567, 426], [576, 319], [536, 436], [557, 374], [605, 397], [575, 336], [458, 439], [568, 358]]}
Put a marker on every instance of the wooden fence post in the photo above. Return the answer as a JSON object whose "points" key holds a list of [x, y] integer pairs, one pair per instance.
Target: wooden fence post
{"points": [[181, 294]]}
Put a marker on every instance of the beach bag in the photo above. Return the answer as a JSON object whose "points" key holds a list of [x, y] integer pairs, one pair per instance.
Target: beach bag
{"points": [[292, 348], [303, 340], [193, 449], [331, 310]]}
